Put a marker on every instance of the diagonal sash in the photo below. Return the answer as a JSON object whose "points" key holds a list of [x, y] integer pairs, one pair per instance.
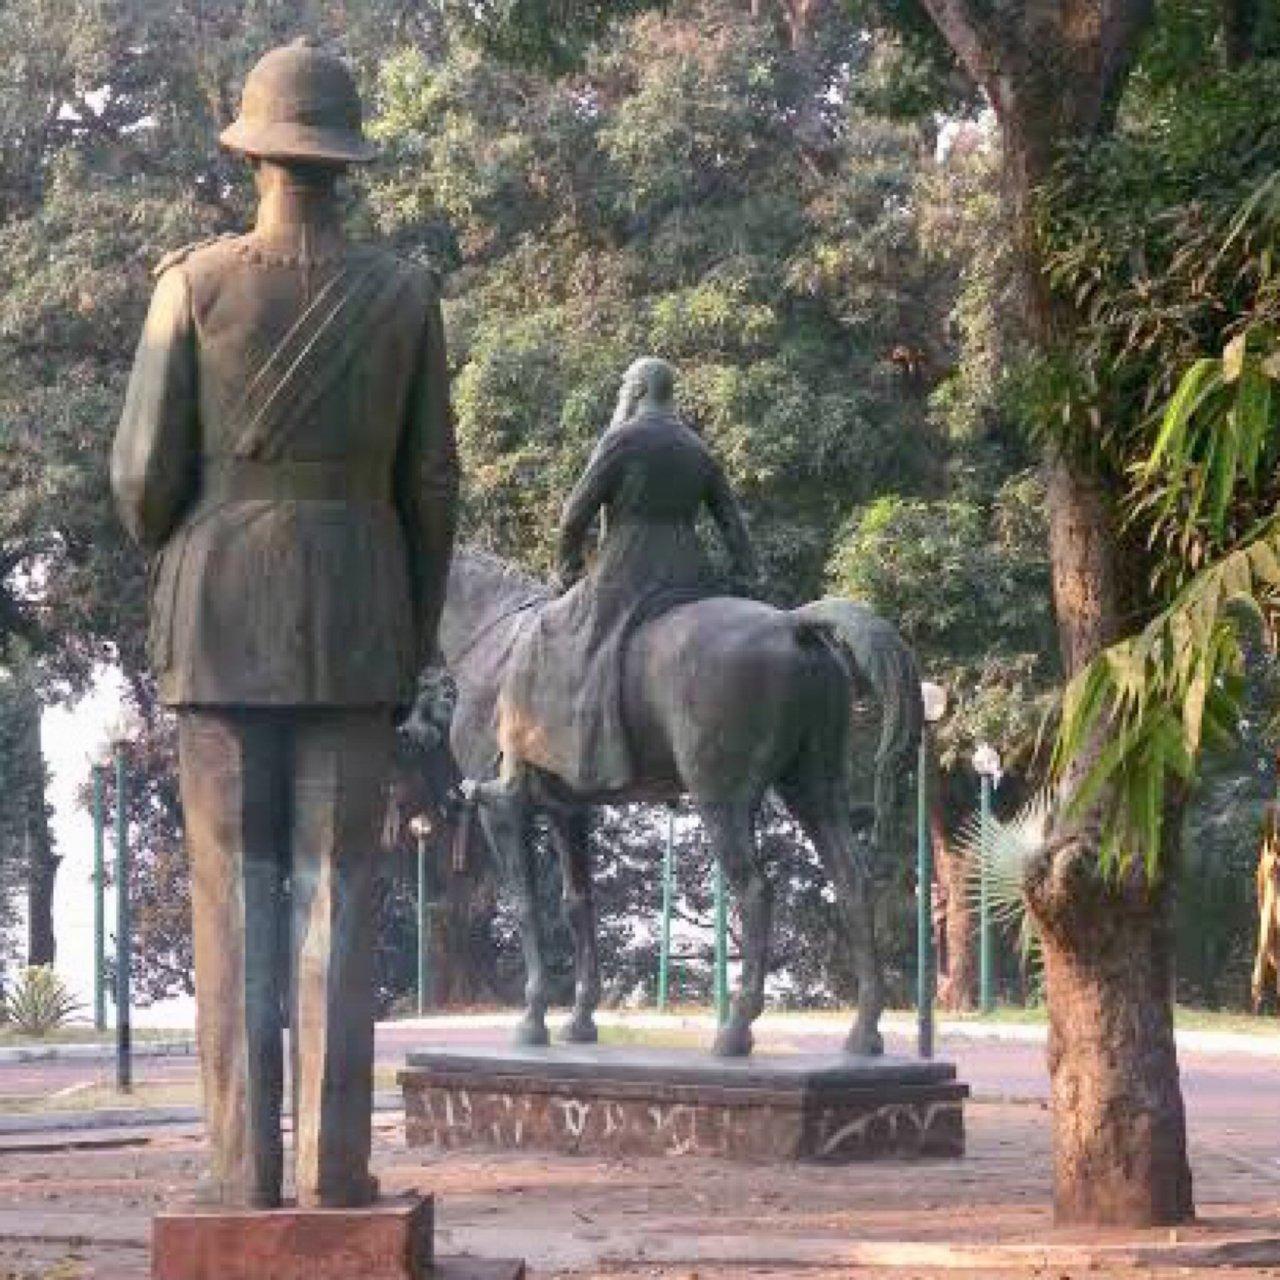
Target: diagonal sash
{"points": [[313, 357]]}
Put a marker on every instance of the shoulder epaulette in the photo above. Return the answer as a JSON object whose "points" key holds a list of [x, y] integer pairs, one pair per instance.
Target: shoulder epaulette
{"points": [[177, 256]]}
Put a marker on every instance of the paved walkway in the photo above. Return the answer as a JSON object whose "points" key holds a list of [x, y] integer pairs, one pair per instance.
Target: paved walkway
{"points": [[84, 1213], [88, 1212]]}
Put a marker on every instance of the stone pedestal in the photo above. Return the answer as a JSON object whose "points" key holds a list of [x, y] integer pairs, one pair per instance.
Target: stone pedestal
{"points": [[621, 1101], [391, 1240]]}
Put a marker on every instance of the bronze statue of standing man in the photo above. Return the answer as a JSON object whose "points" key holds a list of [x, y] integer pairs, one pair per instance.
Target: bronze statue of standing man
{"points": [[286, 457]]}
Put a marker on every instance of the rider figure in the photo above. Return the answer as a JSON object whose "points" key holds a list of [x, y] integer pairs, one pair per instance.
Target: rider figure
{"points": [[648, 479]]}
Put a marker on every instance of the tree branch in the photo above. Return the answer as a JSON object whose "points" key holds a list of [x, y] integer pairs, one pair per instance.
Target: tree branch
{"points": [[971, 37], [1124, 23]]}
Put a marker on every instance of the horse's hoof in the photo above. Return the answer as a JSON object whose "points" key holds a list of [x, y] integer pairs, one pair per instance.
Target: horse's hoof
{"points": [[733, 1042], [865, 1044], [531, 1033], [580, 1031]]}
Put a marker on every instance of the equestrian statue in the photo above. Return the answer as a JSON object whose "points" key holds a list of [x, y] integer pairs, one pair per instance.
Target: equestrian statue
{"points": [[642, 677]]}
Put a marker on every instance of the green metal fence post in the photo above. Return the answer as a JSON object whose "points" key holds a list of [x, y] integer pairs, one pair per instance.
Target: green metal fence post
{"points": [[422, 923], [924, 904], [99, 897], [668, 893], [124, 938], [722, 946], [986, 999]]}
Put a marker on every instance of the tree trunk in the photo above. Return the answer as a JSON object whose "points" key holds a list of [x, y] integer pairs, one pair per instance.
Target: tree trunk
{"points": [[462, 959], [42, 862], [1239, 24], [957, 983], [1119, 1129], [1054, 74], [1120, 1146]]}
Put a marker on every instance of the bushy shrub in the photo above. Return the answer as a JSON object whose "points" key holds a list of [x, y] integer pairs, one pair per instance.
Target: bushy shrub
{"points": [[39, 1002]]}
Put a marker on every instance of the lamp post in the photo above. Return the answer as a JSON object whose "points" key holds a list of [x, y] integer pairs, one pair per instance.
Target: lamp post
{"points": [[124, 938], [986, 760], [668, 894], [99, 896], [934, 698], [722, 945], [420, 830]]}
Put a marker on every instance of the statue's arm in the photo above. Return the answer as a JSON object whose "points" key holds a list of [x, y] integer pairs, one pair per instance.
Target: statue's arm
{"points": [[155, 458], [426, 484], [727, 514], [588, 496]]}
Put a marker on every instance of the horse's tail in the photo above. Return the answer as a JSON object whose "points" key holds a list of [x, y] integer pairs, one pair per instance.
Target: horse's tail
{"points": [[883, 661]]}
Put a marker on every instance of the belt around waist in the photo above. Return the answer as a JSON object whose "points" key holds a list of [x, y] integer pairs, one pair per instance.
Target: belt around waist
{"points": [[247, 480]]}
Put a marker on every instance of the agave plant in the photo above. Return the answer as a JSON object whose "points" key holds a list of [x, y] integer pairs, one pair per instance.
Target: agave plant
{"points": [[1001, 860], [39, 1001]]}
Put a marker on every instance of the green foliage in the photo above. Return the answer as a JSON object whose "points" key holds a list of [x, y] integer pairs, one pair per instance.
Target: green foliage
{"points": [[691, 183], [1166, 239], [549, 35], [961, 202], [966, 580], [1152, 237], [1217, 906], [661, 200], [1138, 717], [913, 73], [24, 819], [109, 115], [38, 1002]]}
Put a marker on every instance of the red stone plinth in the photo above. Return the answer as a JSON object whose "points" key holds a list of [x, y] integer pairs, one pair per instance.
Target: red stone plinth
{"points": [[390, 1240]]}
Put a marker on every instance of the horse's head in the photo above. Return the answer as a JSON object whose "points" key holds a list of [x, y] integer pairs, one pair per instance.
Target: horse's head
{"points": [[427, 724]]}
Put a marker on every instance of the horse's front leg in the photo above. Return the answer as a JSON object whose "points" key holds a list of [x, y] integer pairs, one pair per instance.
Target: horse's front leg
{"points": [[506, 819], [730, 826], [569, 829]]}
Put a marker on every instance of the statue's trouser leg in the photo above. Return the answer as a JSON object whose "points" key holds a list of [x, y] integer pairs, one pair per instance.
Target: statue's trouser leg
{"points": [[341, 762], [233, 795]]}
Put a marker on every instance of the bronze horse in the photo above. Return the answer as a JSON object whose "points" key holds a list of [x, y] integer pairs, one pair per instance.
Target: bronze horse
{"points": [[724, 700]]}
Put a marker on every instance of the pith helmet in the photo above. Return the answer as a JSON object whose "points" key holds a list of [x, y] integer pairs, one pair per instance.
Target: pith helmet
{"points": [[299, 103]]}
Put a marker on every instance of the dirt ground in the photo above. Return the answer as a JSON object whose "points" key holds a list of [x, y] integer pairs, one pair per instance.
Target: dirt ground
{"points": [[84, 1214]]}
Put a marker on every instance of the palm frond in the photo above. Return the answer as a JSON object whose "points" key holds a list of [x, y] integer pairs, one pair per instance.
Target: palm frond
{"points": [[1215, 447], [1001, 860], [1136, 720]]}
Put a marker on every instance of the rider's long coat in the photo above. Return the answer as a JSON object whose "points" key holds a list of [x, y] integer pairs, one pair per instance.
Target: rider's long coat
{"points": [[561, 704]]}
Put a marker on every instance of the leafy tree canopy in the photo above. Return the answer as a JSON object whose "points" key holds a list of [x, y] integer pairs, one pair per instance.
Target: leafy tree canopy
{"points": [[658, 201]]}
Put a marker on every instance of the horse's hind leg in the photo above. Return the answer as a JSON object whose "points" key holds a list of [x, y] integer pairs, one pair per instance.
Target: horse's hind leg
{"points": [[822, 809], [506, 822], [569, 829], [730, 826]]}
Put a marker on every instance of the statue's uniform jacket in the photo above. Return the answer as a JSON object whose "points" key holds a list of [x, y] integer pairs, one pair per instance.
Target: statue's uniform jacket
{"points": [[300, 532]]}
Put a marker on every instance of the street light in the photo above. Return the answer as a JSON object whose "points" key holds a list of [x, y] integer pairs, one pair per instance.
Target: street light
{"points": [[420, 829], [721, 901], [934, 698], [668, 895], [124, 934], [986, 760], [99, 769]]}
